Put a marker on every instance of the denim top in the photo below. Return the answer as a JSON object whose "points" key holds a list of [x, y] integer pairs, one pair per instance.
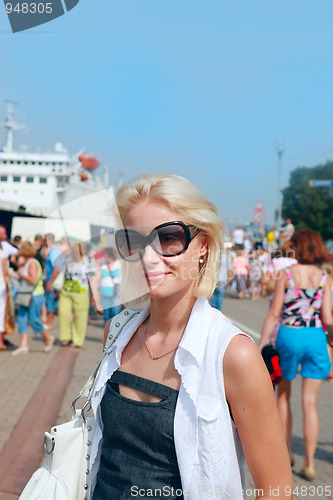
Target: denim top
{"points": [[138, 451]]}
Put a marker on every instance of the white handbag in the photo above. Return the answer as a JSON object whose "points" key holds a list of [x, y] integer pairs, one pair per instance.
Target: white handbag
{"points": [[65, 474], [24, 294]]}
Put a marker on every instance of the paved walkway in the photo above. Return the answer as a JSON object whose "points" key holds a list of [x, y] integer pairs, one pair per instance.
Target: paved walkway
{"points": [[37, 391]]}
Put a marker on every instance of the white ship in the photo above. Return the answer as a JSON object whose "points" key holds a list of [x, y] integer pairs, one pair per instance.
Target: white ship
{"points": [[37, 184]]}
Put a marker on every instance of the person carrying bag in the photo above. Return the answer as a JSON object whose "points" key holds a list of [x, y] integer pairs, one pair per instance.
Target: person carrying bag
{"points": [[30, 299]]}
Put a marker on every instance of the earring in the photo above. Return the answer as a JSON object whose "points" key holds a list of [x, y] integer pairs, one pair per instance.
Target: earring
{"points": [[201, 261]]}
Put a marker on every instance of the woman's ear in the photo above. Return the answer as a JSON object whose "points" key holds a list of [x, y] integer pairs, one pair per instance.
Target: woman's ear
{"points": [[204, 246]]}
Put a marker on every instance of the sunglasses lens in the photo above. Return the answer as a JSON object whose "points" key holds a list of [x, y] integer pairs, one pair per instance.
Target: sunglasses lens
{"points": [[129, 244], [167, 241], [172, 239]]}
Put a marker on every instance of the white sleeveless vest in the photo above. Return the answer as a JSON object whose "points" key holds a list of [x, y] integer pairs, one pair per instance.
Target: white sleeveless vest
{"points": [[208, 448]]}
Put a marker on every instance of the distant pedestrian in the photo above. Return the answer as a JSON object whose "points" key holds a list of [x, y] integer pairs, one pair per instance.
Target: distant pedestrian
{"points": [[240, 267], [42, 250], [53, 266], [3, 296], [30, 272], [302, 298], [258, 235], [108, 278], [255, 274], [271, 241], [238, 238], [9, 249], [289, 229], [16, 241], [74, 297], [247, 244]]}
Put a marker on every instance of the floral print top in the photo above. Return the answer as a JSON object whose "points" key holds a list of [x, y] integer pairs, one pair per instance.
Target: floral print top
{"points": [[302, 307]]}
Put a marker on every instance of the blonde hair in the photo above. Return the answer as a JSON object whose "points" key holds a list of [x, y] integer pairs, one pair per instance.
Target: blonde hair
{"points": [[27, 250], [182, 197]]}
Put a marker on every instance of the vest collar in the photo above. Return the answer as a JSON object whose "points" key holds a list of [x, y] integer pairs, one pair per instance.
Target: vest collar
{"points": [[196, 331], [194, 338]]}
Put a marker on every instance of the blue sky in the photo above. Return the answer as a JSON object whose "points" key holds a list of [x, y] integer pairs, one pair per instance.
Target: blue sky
{"points": [[201, 89]]}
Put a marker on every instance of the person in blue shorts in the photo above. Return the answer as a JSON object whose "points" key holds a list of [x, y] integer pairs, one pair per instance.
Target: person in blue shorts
{"points": [[302, 300]]}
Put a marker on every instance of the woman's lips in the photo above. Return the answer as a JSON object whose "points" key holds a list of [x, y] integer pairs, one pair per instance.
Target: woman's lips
{"points": [[153, 277]]}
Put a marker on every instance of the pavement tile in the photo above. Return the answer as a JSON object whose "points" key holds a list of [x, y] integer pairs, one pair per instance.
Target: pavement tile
{"points": [[19, 378]]}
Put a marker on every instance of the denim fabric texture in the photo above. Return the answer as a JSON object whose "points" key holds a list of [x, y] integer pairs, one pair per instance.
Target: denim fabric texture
{"points": [[109, 309], [138, 451], [51, 301], [31, 315]]}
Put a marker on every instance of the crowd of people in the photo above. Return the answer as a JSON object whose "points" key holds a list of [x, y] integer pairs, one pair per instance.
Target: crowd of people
{"points": [[248, 266], [51, 277]]}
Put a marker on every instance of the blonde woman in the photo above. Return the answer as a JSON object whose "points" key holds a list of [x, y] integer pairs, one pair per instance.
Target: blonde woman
{"points": [[183, 392], [30, 271]]}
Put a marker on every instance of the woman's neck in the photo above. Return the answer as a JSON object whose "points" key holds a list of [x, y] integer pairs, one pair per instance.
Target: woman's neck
{"points": [[171, 314]]}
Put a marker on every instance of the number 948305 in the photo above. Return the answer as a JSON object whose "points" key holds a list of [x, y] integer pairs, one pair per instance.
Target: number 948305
{"points": [[29, 8]]}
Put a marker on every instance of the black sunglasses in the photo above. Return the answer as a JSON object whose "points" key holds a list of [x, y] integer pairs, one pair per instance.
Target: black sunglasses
{"points": [[168, 239]]}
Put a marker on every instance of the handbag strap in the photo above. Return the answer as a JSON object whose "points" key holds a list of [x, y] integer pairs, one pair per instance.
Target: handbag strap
{"points": [[115, 329]]}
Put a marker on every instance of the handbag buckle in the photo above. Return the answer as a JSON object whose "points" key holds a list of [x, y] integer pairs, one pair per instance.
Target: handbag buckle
{"points": [[49, 452], [74, 403], [85, 408]]}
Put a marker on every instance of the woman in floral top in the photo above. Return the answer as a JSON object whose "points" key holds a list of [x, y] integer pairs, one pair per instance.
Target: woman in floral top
{"points": [[302, 298]]}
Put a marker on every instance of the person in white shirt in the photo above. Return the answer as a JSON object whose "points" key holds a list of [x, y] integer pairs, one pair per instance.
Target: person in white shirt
{"points": [[238, 236], [289, 229], [9, 249], [247, 244], [183, 391]]}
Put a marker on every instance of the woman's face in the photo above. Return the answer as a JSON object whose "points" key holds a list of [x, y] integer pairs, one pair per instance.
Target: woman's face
{"points": [[165, 276]]}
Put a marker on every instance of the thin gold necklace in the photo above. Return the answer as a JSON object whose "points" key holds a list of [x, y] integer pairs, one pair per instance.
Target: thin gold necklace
{"points": [[154, 358]]}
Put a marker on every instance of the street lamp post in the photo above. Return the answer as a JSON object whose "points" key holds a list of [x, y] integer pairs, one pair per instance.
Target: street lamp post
{"points": [[279, 150]]}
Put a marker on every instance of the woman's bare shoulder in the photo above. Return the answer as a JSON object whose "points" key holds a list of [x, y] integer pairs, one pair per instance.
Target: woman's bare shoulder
{"points": [[241, 352], [243, 367]]}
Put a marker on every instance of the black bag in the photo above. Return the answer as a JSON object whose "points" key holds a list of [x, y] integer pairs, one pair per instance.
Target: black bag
{"points": [[272, 361]]}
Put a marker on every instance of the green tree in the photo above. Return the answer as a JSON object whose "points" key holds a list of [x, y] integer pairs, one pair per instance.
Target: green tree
{"points": [[310, 207]]}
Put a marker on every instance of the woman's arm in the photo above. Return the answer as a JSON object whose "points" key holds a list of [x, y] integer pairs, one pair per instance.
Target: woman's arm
{"points": [[326, 308], [274, 312], [31, 277], [95, 281], [5, 272], [251, 398]]}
